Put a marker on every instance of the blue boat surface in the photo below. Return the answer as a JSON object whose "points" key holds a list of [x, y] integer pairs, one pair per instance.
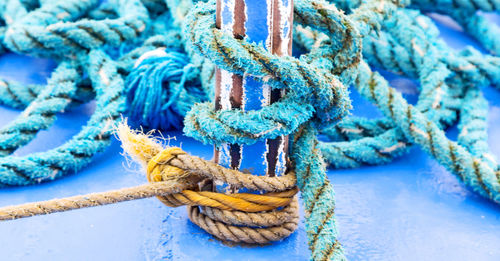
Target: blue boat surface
{"points": [[411, 209]]}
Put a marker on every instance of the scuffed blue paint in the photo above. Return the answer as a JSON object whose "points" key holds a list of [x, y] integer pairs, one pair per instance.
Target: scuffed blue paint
{"points": [[256, 25], [253, 157], [227, 14], [253, 94]]}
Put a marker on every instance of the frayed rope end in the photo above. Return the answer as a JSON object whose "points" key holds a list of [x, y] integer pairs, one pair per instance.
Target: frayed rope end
{"points": [[139, 145]]}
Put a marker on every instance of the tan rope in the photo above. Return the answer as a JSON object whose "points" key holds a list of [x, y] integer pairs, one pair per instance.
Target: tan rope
{"points": [[223, 219], [175, 178], [161, 169], [244, 234], [90, 200], [263, 219]]}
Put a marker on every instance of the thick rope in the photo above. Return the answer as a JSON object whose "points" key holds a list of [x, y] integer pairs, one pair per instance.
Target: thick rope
{"points": [[175, 176], [77, 152], [367, 142], [86, 71], [473, 23], [19, 96], [475, 172], [47, 30], [434, 100], [40, 114], [316, 99]]}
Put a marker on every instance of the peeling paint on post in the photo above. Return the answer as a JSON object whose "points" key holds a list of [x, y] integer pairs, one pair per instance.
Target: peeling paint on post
{"points": [[268, 23]]}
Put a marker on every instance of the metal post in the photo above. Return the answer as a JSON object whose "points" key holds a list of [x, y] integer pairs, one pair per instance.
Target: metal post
{"points": [[266, 22]]}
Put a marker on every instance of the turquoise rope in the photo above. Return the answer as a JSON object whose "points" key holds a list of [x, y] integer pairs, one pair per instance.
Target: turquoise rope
{"points": [[473, 126], [381, 52], [316, 98], [479, 27], [478, 171], [409, 124], [78, 151], [469, 5], [16, 95], [293, 112], [465, 13], [41, 32], [85, 71], [475, 173], [40, 114], [386, 145], [160, 106]]}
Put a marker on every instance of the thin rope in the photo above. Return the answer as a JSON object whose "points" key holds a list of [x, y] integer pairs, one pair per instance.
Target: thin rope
{"points": [[90, 200], [175, 176]]}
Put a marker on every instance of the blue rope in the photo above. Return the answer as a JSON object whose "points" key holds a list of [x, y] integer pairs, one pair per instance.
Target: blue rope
{"points": [[316, 98], [156, 105], [467, 68], [95, 57]]}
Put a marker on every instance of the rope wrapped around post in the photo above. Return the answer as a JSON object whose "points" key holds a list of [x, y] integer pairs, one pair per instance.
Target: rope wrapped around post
{"points": [[316, 97], [219, 209], [175, 177]]}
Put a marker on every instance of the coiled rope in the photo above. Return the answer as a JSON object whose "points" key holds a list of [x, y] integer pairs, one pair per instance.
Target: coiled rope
{"points": [[175, 178], [477, 168], [89, 65]]}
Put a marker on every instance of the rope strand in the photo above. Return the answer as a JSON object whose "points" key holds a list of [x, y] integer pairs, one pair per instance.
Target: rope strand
{"points": [[175, 177], [89, 200]]}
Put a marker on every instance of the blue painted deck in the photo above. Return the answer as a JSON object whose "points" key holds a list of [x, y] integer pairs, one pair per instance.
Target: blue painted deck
{"points": [[412, 209]]}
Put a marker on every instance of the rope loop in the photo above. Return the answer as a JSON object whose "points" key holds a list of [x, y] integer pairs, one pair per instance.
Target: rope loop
{"points": [[173, 164], [313, 92], [316, 97], [51, 30]]}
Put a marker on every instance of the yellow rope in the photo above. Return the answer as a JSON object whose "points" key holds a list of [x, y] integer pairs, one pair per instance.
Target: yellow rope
{"points": [[158, 169], [175, 178], [238, 217]]}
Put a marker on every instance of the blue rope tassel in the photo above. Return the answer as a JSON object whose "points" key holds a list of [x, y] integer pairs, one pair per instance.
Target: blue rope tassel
{"points": [[159, 106]]}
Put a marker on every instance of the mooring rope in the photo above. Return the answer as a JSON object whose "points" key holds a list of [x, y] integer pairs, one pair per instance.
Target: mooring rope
{"points": [[175, 177]]}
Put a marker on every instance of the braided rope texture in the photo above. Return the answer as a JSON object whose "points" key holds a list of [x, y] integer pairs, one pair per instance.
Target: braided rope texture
{"points": [[466, 14], [240, 217], [398, 39], [316, 97], [409, 35], [97, 46]]}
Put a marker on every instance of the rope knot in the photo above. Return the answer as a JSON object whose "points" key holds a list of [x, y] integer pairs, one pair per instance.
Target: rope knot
{"points": [[315, 86], [316, 97], [158, 168], [237, 217]]}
